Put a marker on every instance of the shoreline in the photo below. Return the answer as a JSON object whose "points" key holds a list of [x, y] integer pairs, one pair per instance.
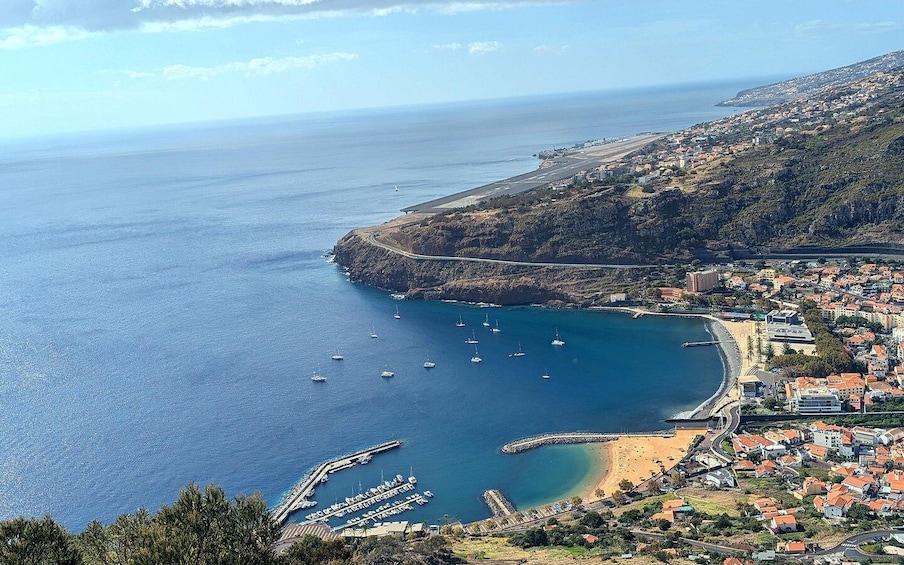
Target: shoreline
{"points": [[640, 459]]}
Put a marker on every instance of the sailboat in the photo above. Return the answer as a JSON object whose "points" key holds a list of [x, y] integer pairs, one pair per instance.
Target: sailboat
{"points": [[472, 340], [387, 374], [337, 356], [460, 323], [545, 375], [519, 353], [496, 330], [373, 332], [397, 316], [557, 341], [486, 321], [428, 364], [476, 358], [317, 377]]}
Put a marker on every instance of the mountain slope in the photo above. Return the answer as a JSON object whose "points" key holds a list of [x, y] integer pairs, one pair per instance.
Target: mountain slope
{"points": [[813, 84]]}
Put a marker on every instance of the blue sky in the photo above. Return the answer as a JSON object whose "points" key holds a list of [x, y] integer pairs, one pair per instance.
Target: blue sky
{"points": [[74, 65]]}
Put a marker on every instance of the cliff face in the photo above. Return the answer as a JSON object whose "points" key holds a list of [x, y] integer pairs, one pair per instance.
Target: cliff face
{"points": [[476, 282]]}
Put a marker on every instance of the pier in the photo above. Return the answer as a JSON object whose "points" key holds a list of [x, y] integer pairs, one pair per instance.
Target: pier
{"points": [[527, 443], [498, 503], [305, 487], [350, 506], [386, 511], [700, 343]]}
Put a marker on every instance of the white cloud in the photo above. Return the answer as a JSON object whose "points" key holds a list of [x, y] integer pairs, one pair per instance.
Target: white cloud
{"points": [[35, 36], [24, 20], [447, 46], [550, 49], [484, 47], [814, 28], [260, 66]]}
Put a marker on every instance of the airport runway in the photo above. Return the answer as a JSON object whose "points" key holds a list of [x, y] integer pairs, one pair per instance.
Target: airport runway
{"points": [[563, 167]]}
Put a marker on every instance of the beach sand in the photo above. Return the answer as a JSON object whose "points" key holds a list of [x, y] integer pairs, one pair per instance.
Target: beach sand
{"points": [[636, 458]]}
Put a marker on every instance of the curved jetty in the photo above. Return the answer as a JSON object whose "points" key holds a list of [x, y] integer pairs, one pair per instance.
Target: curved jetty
{"points": [[305, 488], [524, 444]]}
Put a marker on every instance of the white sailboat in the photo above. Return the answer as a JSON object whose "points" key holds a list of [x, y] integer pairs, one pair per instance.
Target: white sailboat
{"points": [[557, 341], [317, 377], [486, 321], [373, 332], [520, 352], [496, 329], [460, 323], [476, 358], [337, 356], [397, 316], [428, 364], [545, 375], [472, 340], [387, 374]]}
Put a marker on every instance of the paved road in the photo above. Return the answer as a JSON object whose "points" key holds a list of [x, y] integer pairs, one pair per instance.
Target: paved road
{"points": [[563, 168], [849, 546], [373, 241], [734, 419]]}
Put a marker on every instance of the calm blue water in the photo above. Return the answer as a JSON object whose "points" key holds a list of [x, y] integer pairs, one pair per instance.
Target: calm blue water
{"points": [[165, 299]]}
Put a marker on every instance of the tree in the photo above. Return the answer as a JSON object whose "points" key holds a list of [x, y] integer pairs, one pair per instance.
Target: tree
{"points": [[30, 541], [592, 519], [576, 500], [625, 485], [599, 493], [619, 497]]}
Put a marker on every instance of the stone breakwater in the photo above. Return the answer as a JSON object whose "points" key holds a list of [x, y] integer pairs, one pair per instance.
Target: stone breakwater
{"points": [[532, 442]]}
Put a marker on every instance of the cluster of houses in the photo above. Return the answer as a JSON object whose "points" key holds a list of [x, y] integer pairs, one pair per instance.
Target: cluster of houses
{"points": [[708, 143], [871, 475]]}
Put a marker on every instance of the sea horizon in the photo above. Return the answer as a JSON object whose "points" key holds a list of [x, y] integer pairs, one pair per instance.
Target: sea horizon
{"points": [[168, 298]]}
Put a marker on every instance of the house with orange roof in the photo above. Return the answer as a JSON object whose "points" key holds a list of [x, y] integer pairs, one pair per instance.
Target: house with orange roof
{"points": [[811, 487], [861, 485], [782, 524], [795, 547], [818, 452], [767, 468]]}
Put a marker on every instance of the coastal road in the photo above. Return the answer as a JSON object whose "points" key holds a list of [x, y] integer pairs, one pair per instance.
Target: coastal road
{"points": [[734, 419], [372, 239], [563, 167]]}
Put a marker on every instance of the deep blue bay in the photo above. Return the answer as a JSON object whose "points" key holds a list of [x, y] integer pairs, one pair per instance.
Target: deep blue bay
{"points": [[165, 299]]}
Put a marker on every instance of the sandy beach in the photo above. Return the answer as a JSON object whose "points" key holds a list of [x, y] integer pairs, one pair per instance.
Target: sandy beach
{"points": [[637, 458]]}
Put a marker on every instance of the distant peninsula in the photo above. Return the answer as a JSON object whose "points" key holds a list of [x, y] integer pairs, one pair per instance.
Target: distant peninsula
{"points": [[807, 177], [813, 84]]}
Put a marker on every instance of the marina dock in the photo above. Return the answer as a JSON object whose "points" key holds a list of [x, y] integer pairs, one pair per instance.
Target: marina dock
{"points": [[305, 488], [498, 503], [524, 444], [700, 343]]}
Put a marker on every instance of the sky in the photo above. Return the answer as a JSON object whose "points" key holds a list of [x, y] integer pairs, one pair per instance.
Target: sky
{"points": [[84, 65]]}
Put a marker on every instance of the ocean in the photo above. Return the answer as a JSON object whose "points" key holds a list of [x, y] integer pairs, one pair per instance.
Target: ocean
{"points": [[166, 296]]}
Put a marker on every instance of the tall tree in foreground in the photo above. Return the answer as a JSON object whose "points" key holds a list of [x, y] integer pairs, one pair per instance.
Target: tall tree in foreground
{"points": [[29, 541]]}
